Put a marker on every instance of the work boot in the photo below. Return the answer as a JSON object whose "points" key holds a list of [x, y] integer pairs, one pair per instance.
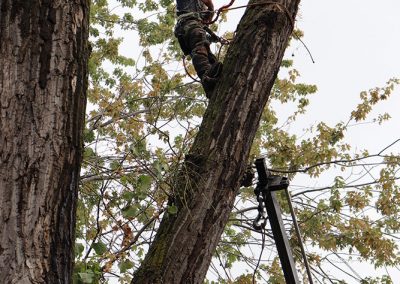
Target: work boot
{"points": [[210, 78], [208, 85], [215, 70]]}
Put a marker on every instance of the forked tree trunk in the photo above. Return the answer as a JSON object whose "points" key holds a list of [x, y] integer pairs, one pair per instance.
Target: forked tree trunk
{"points": [[43, 82], [208, 183]]}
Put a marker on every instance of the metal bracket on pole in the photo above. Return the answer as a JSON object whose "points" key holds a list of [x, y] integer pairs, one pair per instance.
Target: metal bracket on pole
{"points": [[266, 192]]}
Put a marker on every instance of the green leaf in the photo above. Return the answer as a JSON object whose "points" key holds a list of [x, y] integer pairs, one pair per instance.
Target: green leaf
{"points": [[88, 135], [79, 249], [115, 165], [144, 182], [86, 277], [128, 195], [172, 209], [125, 265], [129, 212], [158, 169], [99, 248]]}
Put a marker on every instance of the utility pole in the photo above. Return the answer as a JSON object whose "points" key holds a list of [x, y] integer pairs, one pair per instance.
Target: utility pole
{"points": [[266, 190]]}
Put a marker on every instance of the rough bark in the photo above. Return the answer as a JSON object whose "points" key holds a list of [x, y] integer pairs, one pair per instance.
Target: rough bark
{"points": [[208, 183], [43, 82]]}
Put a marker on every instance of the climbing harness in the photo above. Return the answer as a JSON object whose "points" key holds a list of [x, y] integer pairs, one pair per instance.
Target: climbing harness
{"points": [[214, 38], [269, 209]]}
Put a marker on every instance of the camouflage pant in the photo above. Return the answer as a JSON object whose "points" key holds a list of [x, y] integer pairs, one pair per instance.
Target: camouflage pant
{"points": [[193, 40]]}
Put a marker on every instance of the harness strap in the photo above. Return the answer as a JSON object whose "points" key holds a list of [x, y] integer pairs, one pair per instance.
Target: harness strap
{"points": [[188, 15], [214, 37]]}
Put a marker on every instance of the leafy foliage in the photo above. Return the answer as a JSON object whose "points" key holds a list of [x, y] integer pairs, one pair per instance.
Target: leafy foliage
{"points": [[142, 117]]}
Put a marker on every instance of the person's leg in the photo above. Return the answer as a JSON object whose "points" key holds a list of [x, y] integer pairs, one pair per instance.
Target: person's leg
{"points": [[205, 63], [196, 37], [179, 33]]}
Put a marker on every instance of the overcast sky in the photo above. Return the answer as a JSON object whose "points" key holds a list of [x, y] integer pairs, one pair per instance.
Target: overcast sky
{"points": [[356, 47]]}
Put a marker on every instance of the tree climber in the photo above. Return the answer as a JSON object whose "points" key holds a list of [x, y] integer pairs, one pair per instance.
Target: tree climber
{"points": [[193, 39]]}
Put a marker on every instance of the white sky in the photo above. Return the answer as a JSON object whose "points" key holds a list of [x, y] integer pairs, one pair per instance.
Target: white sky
{"points": [[356, 47]]}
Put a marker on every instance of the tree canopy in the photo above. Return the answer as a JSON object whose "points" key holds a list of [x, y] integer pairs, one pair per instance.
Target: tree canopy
{"points": [[143, 114]]}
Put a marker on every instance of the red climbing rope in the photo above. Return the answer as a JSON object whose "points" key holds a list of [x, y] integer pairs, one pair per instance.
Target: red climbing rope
{"points": [[228, 7], [218, 12], [187, 71]]}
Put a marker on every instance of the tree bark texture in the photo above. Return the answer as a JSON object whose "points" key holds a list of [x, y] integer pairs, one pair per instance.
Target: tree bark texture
{"points": [[43, 83], [208, 183]]}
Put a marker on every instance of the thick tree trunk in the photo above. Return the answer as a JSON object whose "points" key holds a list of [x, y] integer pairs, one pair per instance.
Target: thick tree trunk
{"points": [[43, 82], [207, 186]]}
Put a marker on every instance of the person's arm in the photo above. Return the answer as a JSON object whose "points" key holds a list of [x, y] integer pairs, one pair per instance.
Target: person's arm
{"points": [[210, 6]]}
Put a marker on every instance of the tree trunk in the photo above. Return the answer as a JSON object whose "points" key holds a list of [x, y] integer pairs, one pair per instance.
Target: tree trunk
{"points": [[208, 183], [43, 82]]}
